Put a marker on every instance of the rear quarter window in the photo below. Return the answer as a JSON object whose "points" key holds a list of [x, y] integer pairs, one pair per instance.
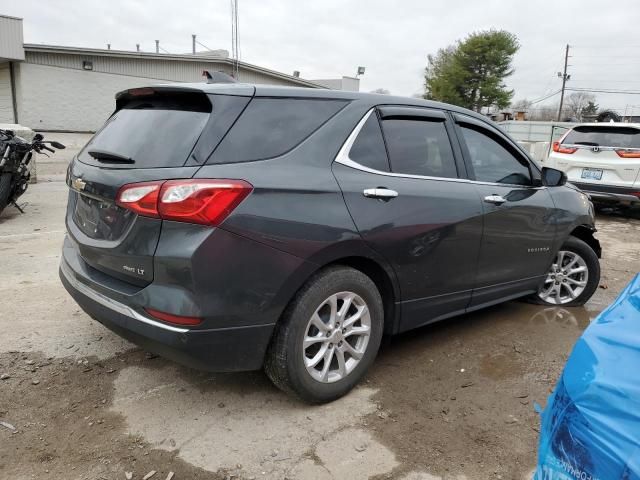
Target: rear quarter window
{"points": [[603, 136], [270, 127]]}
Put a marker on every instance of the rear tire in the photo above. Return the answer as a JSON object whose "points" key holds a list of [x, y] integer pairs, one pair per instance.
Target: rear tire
{"points": [[327, 319], [567, 289], [5, 190]]}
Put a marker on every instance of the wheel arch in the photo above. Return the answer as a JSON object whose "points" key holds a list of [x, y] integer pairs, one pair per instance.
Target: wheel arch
{"points": [[377, 273], [585, 233], [380, 273]]}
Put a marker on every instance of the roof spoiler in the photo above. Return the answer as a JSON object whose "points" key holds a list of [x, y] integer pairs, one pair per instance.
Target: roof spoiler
{"points": [[218, 77]]}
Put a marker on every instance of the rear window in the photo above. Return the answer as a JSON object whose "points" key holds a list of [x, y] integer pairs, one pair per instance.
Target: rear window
{"points": [[419, 147], [150, 132], [271, 127], [603, 136]]}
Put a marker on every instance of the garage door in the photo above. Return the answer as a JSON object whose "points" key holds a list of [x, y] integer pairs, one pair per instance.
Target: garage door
{"points": [[6, 102]]}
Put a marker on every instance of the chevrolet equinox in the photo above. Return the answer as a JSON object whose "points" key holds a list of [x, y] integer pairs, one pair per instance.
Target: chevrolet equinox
{"points": [[238, 227]]}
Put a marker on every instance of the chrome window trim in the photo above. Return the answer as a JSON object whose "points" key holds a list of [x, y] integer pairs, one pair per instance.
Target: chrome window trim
{"points": [[344, 159], [112, 304]]}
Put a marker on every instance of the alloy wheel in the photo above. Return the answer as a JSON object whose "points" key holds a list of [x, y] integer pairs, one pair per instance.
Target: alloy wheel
{"points": [[566, 279], [336, 337]]}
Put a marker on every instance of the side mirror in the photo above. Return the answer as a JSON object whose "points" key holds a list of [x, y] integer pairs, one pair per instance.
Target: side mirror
{"points": [[552, 177]]}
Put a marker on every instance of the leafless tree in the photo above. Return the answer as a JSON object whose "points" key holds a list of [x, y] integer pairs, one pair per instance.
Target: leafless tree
{"points": [[543, 113], [575, 104], [523, 105], [383, 91]]}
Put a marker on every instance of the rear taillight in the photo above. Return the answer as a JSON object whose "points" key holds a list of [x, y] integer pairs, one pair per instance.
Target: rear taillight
{"points": [[557, 147], [622, 153], [207, 202], [142, 198]]}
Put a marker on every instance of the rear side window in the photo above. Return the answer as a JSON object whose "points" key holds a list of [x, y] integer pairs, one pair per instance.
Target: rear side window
{"points": [[419, 147], [150, 132], [270, 127], [368, 150], [603, 136]]}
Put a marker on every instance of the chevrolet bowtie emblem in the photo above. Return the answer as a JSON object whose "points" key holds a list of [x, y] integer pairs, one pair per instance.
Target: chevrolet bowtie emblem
{"points": [[78, 184]]}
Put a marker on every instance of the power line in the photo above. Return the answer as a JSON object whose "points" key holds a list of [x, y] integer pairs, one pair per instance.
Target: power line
{"points": [[546, 97], [604, 90], [203, 45]]}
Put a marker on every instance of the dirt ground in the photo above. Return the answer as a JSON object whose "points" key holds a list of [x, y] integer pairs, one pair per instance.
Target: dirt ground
{"points": [[449, 401]]}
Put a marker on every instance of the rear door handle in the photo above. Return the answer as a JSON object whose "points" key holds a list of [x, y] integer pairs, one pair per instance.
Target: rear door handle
{"points": [[380, 193], [495, 199]]}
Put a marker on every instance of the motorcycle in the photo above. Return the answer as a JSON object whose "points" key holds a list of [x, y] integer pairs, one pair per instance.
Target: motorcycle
{"points": [[15, 164]]}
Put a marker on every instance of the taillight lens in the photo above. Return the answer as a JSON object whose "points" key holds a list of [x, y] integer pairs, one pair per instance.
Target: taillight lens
{"points": [[207, 202], [557, 147], [142, 198], [622, 153]]}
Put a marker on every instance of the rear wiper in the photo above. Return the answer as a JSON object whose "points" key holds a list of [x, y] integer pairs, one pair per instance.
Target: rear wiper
{"points": [[589, 144], [110, 157]]}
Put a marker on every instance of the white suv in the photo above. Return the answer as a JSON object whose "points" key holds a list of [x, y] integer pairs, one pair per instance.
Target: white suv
{"points": [[602, 159]]}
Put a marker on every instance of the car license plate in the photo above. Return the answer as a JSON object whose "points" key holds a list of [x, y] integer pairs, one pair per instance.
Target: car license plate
{"points": [[592, 173]]}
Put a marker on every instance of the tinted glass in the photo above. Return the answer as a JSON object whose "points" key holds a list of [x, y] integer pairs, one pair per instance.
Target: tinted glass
{"points": [[419, 147], [152, 132], [368, 149], [492, 162], [270, 127], [604, 137]]}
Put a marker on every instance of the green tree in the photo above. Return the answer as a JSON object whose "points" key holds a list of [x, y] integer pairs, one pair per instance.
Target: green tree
{"points": [[471, 73], [591, 108]]}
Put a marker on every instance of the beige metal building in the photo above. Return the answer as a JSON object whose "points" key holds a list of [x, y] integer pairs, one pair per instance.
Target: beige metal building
{"points": [[47, 87]]}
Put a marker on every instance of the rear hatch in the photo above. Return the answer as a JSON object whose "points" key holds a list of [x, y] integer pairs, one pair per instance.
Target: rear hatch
{"points": [[600, 154], [154, 134]]}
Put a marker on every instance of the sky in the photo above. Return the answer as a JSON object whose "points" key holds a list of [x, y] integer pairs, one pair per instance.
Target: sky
{"points": [[331, 38]]}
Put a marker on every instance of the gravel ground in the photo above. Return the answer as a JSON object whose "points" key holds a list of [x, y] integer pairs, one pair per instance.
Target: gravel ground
{"points": [[448, 401]]}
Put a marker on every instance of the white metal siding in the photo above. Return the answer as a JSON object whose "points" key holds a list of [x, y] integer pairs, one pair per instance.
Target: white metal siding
{"points": [[6, 100], [159, 69], [11, 38], [54, 92], [53, 98]]}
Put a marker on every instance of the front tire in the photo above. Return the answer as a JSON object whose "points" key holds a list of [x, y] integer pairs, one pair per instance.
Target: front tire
{"points": [[328, 336], [573, 276]]}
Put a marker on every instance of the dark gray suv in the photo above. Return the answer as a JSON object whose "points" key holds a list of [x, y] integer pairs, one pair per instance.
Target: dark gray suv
{"points": [[238, 227]]}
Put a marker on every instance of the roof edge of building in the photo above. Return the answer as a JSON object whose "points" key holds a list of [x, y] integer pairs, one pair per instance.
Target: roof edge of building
{"points": [[43, 48]]}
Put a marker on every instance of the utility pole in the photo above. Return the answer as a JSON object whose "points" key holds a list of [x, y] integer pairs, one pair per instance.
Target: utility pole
{"points": [[157, 46], [193, 43], [565, 77]]}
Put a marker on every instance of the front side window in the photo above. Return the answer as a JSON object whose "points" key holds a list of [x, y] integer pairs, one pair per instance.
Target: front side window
{"points": [[368, 150], [492, 162], [419, 147]]}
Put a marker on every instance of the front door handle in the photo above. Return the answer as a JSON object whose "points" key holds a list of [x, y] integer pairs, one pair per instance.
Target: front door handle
{"points": [[495, 199], [380, 193]]}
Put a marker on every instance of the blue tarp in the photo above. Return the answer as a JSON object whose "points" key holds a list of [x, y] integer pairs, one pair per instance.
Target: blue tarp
{"points": [[591, 426]]}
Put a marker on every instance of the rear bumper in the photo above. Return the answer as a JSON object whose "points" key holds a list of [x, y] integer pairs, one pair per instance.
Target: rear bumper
{"points": [[221, 350], [610, 193]]}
